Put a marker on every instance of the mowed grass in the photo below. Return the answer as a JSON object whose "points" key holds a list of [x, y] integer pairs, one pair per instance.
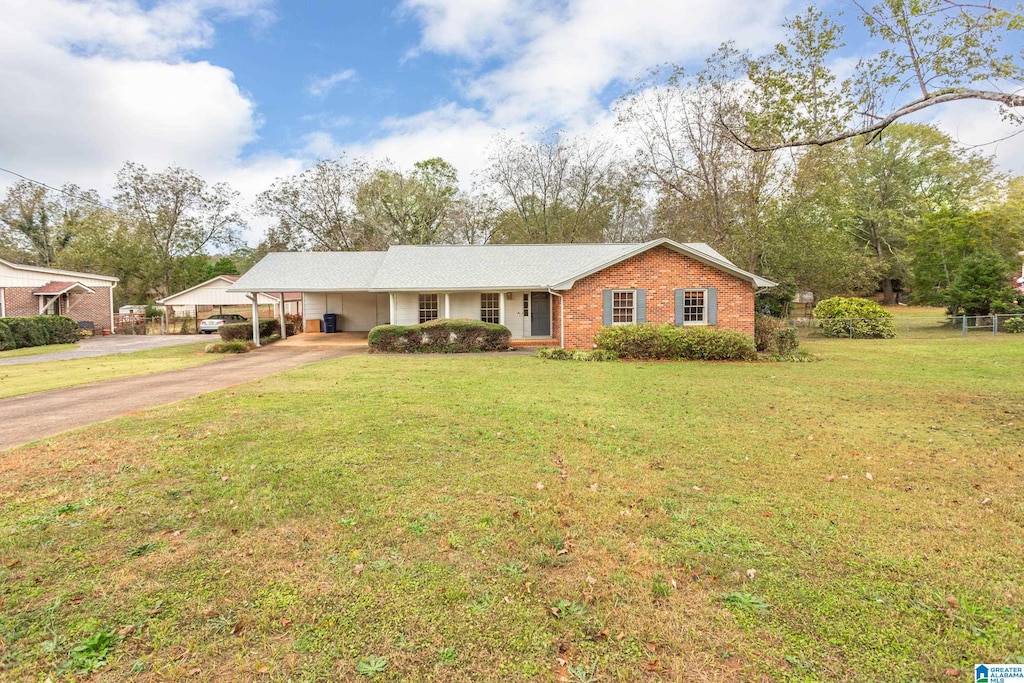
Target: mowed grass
{"points": [[36, 350], [16, 380], [501, 518]]}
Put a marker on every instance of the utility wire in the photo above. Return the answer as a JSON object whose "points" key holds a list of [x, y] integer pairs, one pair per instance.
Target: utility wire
{"points": [[80, 197]]}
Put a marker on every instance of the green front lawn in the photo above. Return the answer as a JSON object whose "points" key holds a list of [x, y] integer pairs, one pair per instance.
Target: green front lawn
{"points": [[36, 350], [16, 380], [497, 518]]}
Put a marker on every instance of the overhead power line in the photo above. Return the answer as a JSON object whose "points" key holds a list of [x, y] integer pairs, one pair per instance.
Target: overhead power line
{"points": [[80, 197]]}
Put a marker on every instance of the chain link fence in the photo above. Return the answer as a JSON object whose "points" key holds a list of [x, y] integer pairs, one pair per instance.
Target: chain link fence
{"points": [[916, 327]]}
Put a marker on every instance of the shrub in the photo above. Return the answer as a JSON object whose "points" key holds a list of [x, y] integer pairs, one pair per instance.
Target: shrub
{"points": [[27, 332], [597, 355], [231, 347], [243, 331], [293, 323], [61, 329], [786, 341], [668, 342], [1011, 325], [440, 336], [765, 327], [6, 337], [856, 318]]}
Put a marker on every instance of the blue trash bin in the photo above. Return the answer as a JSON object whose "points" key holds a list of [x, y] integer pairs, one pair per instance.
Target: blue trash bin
{"points": [[330, 322]]}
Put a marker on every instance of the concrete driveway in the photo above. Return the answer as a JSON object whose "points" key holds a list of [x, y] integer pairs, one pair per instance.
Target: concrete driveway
{"points": [[120, 343], [35, 416]]}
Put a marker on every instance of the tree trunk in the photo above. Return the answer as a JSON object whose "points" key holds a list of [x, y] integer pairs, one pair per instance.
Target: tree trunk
{"points": [[888, 296]]}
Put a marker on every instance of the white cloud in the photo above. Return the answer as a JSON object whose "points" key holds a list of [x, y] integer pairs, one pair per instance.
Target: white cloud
{"points": [[90, 85], [319, 87], [978, 125]]}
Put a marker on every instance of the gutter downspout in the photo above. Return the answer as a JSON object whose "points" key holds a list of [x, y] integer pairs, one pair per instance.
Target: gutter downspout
{"points": [[561, 316]]}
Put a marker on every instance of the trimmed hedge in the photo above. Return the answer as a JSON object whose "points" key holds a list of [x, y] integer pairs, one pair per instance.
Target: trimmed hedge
{"points": [[648, 341], [854, 318], [40, 330], [440, 336], [243, 331]]}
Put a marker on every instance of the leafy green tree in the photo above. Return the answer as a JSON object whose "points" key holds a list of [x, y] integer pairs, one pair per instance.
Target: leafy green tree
{"points": [[560, 190], [981, 286], [409, 208], [929, 53], [32, 224], [176, 216], [222, 266], [316, 209]]}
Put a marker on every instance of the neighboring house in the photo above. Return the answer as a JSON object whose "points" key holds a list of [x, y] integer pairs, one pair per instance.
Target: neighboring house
{"points": [[524, 287], [215, 293], [86, 298]]}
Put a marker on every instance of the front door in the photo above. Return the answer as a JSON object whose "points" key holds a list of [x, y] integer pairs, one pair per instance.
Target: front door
{"points": [[540, 314]]}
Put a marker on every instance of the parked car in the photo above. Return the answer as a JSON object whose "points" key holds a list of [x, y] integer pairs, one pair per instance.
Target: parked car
{"points": [[213, 323]]}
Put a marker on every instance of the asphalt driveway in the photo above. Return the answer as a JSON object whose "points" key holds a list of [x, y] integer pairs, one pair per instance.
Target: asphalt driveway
{"points": [[36, 416], [90, 347]]}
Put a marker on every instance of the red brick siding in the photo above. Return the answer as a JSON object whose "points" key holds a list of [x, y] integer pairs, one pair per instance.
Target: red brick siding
{"points": [[660, 271], [95, 308]]}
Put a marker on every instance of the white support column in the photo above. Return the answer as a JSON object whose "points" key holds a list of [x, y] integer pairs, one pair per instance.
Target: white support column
{"points": [[284, 331], [447, 305], [501, 308], [111, 292], [393, 308], [255, 297]]}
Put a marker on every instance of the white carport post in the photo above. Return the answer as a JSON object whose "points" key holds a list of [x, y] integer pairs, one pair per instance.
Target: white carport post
{"points": [[393, 309], [501, 308], [447, 306], [254, 297], [284, 332]]}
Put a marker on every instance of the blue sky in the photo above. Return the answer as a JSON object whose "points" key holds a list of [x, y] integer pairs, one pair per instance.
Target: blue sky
{"points": [[245, 91]]}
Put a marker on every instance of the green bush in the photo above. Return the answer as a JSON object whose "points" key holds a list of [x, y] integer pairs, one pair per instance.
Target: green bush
{"points": [[440, 336], [231, 347], [61, 330], [6, 337], [856, 318], [1011, 325], [27, 332], [597, 355], [243, 331], [667, 342], [785, 341]]}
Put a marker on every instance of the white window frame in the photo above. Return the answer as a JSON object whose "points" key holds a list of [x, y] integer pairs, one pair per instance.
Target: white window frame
{"points": [[631, 309], [421, 309], [495, 309], [704, 307]]}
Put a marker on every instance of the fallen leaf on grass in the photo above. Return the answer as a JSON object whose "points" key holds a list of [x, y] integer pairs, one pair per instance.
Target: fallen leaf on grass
{"points": [[358, 569], [868, 476], [540, 486], [953, 672]]}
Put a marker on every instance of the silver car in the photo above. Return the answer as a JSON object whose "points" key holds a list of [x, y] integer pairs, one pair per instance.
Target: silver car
{"points": [[213, 323]]}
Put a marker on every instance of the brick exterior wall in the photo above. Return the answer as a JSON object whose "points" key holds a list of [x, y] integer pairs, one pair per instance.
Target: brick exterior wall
{"points": [[95, 308], [660, 271]]}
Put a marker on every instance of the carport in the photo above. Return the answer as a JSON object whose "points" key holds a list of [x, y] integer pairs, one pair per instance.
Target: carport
{"points": [[215, 295]]}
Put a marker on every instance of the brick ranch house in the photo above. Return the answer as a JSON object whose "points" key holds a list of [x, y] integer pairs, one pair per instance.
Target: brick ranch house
{"points": [[86, 298], [524, 287]]}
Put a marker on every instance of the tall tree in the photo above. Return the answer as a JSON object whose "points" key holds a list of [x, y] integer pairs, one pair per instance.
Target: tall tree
{"points": [[930, 53], [409, 208], [316, 209], [709, 189], [176, 215], [32, 222], [557, 190]]}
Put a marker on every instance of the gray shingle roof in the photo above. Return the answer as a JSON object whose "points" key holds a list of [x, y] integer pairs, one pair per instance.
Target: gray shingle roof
{"points": [[458, 267], [313, 271]]}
